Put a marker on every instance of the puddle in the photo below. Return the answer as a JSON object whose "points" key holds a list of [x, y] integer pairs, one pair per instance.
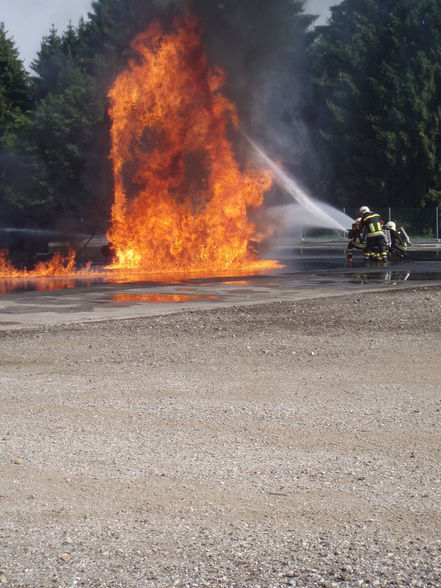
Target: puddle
{"points": [[379, 277], [393, 277], [315, 267], [425, 276], [236, 283], [36, 285]]}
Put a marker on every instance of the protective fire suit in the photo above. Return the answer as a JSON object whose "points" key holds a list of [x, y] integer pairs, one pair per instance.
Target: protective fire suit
{"points": [[356, 239], [398, 243], [373, 231]]}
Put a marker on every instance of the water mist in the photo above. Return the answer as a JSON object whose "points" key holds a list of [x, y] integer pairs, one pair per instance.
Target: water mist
{"points": [[305, 210]]}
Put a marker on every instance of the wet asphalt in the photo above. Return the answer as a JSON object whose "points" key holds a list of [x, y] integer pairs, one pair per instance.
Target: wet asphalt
{"points": [[310, 271]]}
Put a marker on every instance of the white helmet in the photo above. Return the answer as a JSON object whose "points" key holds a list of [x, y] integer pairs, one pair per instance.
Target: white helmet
{"points": [[391, 225], [364, 210]]}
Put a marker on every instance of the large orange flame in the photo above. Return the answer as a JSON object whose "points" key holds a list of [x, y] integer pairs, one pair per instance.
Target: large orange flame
{"points": [[181, 199]]}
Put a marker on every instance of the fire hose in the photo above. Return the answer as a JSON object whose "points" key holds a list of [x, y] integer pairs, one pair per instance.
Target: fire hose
{"points": [[413, 258], [404, 254]]}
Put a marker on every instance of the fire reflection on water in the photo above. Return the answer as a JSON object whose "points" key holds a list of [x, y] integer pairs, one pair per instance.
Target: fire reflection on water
{"points": [[8, 286], [159, 298], [94, 276], [236, 283]]}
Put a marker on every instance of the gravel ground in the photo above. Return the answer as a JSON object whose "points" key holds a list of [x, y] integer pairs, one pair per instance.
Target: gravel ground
{"points": [[283, 444]]}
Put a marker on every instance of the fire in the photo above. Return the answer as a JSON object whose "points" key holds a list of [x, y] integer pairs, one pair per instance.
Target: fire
{"points": [[58, 265], [61, 267], [181, 200]]}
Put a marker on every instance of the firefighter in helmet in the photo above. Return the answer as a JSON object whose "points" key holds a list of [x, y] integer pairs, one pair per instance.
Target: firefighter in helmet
{"points": [[356, 239], [372, 225], [399, 240]]}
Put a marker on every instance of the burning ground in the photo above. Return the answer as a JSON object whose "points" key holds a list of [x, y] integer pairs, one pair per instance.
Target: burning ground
{"points": [[293, 443], [181, 198]]}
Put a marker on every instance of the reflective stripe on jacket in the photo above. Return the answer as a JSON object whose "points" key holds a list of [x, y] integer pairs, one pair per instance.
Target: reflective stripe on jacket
{"points": [[372, 225]]}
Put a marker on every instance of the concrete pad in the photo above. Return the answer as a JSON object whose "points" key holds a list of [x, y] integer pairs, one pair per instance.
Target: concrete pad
{"points": [[77, 300]]}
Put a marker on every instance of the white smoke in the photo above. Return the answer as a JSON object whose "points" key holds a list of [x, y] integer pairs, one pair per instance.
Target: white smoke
{"points": [[305, 210]]}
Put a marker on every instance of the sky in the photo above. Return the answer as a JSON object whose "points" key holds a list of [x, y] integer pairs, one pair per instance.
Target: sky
{"points": [[28, 20]]}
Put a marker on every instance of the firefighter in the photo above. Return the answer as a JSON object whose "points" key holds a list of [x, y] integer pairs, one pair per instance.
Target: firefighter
{"points": [[399, 240], [356, 239], [372, 226]]}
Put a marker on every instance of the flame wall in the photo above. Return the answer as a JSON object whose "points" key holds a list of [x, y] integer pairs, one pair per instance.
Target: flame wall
{"points": [[180, 197]]}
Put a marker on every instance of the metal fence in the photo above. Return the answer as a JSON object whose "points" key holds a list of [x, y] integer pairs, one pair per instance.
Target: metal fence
{"points": [[420, 223]]}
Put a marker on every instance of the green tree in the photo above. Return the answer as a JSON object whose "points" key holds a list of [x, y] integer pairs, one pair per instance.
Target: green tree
{"points": [[15, 102], [70, 128], [65, 120], [14, 86], [376, 70]]}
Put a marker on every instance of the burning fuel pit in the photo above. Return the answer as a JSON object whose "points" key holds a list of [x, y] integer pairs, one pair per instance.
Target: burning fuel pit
{"points": [[309, 273], [25, 248], [181, 201], [181, 198]]}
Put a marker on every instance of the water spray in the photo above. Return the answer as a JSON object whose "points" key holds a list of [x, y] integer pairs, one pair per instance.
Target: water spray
{"points": [[291, 187]]}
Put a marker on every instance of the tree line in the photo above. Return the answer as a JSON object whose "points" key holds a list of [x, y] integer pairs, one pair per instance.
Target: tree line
{"points": [[357, 101]]}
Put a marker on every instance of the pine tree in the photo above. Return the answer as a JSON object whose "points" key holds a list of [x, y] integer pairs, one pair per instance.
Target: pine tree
{"points": [[15, 101], [64, 126], [14, 85], [377, 74], [73, 72]]}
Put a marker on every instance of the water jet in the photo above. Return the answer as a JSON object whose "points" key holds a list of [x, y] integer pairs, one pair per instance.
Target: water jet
{"points": [[305, 210]]}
